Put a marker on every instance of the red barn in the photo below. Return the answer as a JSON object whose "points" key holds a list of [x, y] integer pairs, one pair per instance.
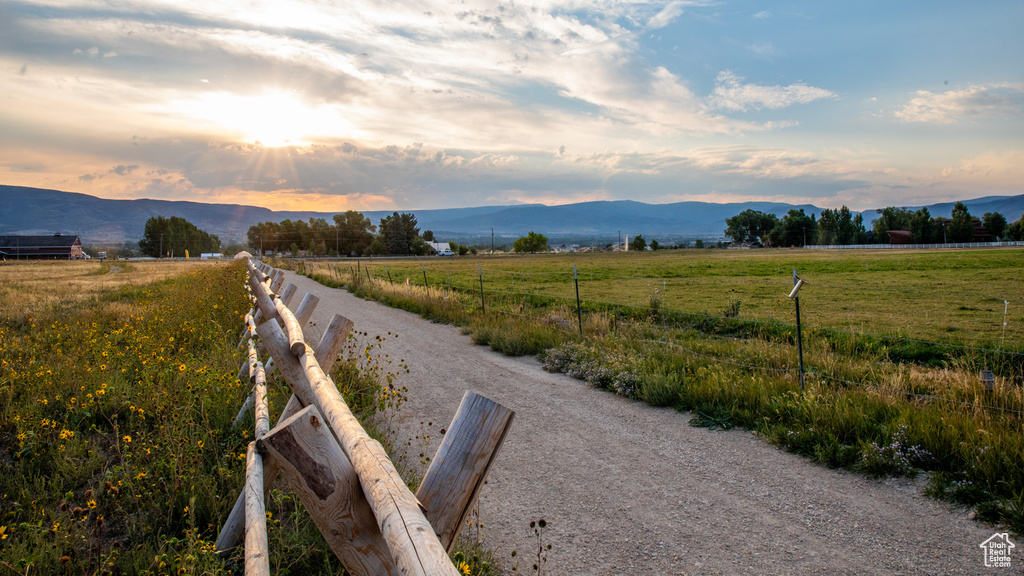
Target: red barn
{"points": [[56, 247]]}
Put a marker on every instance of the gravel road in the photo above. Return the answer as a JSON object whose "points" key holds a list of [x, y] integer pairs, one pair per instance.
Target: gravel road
{"points": [[630, 489]]}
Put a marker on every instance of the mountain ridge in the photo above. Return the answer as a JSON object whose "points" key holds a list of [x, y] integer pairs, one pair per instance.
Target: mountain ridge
{"points": [[26, 210]]}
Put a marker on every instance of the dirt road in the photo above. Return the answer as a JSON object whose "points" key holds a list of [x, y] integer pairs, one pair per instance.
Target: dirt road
{"points": [[630, 489]]}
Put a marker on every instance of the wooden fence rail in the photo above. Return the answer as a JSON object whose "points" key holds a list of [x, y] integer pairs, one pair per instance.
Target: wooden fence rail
{"points": [[344, 478]]}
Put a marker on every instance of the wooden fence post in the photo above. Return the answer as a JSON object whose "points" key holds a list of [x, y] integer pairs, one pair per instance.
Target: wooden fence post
{"points": [[459, 467], [316, 470], [411, 539]]}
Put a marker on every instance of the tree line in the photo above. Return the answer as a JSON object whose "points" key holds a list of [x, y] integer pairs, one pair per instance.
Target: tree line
{"points": [[173, 236], [349, 234], [842, 227]]}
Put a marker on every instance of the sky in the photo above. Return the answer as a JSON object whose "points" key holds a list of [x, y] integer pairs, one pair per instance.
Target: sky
{"points": [[379, 105]]}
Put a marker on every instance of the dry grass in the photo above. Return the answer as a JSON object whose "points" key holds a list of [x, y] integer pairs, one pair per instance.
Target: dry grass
{"points": [[30, 286]]}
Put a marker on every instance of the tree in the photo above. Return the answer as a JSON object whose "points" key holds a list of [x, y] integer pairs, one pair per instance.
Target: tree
{"points": [[891, 218], [353, 233], [922, 227], [1015, 231], [428, 235], [173, 236], [836, 227], [532, 242], [639, 243], [995, 224], [750, 225], [961, 226], [655, 245], [398, 231], [795, 229], [699, 243], [860, 234]]}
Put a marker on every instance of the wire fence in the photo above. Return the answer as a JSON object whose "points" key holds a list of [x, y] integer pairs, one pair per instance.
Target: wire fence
{"points": [[557, 286]]}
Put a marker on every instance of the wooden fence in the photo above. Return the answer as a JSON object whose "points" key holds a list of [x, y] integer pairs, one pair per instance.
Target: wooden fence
{"points": [[319, 451]]}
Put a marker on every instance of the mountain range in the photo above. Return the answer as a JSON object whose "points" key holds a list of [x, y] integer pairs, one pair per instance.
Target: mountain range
{"points": [[100, 221]]}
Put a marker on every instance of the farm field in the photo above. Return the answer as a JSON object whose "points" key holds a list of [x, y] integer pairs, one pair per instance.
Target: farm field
{"points": [[893, 346], [943, 295]]}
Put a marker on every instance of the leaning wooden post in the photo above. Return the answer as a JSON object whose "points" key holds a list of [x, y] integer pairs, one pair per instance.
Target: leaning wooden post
{"points": [[410, 537], [305, 309], [292, 328], [332, 341], [278, 280], [459, 467], [257, 560], [288, 293], [315, 469]]}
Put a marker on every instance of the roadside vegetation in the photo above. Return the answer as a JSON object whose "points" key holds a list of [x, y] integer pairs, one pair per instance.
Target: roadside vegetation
{"points": [[893, 344], [119, 389]]}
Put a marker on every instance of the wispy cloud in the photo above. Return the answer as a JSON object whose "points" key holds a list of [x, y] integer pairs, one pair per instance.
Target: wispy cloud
{"points": [[987, 101], [731, 94]]}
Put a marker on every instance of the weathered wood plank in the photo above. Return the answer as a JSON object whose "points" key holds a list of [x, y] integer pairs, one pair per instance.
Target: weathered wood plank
{"points": [[257, 559], [332, 341], [292, 328], [460, 466], [262, 406], [288, 293], [305, 309], [411, 540], [315, 469]]}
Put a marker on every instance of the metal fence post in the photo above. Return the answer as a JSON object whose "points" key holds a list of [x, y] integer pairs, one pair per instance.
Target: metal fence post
{"points": [[480, 271], [579, 313], [799, 336]]}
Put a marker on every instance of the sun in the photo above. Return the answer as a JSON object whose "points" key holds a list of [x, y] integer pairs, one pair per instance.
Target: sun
{"points": [[273, 118]]}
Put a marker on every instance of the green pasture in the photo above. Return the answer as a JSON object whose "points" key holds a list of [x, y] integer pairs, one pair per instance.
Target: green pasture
{"points": [[942, 295]]}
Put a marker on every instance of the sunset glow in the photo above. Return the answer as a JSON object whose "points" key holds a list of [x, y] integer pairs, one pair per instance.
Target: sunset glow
{"points": [[433, 104]]}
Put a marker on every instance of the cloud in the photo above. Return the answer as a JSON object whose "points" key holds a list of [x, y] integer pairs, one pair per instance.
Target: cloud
{"points": [[730, 94], [88, 177], [986, 101], [22, 70], [122, 170]]}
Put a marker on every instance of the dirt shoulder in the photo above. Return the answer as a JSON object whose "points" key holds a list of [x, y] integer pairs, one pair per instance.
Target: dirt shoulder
{"points": [[630, 489]]}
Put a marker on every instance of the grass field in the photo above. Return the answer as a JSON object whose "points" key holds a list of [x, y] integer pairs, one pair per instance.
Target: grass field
{"points": [[946, 296], [893, 346], [118, 388]]}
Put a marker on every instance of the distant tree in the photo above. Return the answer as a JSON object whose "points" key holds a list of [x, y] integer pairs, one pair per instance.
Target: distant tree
{"points": [[428, 235], [532, 242], [1015, 231], [655, 245], [174, 236], [860, 234], [961, 226], [995, 224], [638, 243], [698, 243], [353, 233], [264, 236], [399, 231], [453, 246], [922, 227], [892, 218], [794, 229], [750, 226], [836, 227]]}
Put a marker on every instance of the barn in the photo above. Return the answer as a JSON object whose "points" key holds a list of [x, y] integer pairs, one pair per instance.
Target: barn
{"points": [[55, 247]]}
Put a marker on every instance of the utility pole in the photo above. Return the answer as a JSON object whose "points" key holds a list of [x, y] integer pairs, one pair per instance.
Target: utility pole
{"points": [[161, 245], [492, 241]]}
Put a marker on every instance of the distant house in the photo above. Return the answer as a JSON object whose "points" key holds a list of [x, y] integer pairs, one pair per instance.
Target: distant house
{"points": [[899, 237], [55, 247], [439, 247]]}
